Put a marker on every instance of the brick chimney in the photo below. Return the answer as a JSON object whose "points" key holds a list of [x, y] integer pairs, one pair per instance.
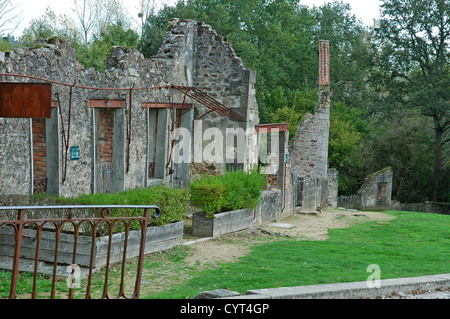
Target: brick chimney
{"points": [[324, 63]]}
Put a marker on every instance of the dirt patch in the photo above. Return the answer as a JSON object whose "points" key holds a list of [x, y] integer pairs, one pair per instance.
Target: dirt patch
{"points": [[315, 227]]}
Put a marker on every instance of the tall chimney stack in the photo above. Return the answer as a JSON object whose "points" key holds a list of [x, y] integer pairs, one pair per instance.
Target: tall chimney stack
{"points": [[324, 63]]}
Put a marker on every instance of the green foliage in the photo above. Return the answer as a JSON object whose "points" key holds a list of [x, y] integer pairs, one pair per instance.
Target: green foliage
{"points": [[208, 193], [405, 143], [47, 26], [412, 65], [347, 129], [6, 45], [173, 202], [94, 54], [286, 106], [228, 192]]}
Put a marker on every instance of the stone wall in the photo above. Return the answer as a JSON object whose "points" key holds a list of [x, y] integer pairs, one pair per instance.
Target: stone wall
{"points": [[431, 207], [374, 193], [192, 54]]}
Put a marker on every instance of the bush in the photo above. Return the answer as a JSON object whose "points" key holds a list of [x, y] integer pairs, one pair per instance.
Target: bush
{"points": [[232, 191], [173, 202]]}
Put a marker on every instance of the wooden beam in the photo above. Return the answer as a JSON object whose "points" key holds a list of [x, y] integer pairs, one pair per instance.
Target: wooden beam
{"points": [[107, 103], [158, 105], [269, 128]]}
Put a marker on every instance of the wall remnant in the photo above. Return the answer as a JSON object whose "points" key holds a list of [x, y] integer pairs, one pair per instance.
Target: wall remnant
{"points": [[308, 150], [374, 193]]}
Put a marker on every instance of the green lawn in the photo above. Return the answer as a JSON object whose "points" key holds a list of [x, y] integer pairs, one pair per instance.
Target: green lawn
{"points": [[412, 244]]}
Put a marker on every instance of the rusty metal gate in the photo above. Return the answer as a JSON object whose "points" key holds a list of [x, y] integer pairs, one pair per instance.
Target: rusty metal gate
{"points": [[93, 220]]}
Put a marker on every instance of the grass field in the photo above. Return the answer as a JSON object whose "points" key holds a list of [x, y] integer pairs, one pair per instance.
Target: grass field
{"points": [[411, 244]]}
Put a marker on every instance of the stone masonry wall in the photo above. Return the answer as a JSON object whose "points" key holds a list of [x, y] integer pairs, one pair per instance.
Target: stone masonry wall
{"points": [[374, 193], [192, 54]]}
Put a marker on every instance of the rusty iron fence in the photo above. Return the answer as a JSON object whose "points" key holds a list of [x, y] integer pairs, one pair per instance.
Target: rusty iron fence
{"points": [[67, 223]]}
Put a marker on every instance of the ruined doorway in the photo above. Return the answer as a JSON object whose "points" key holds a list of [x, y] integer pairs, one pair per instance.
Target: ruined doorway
{"points": [[299, 195], [104, 151], [108, 140], [152, 136]]}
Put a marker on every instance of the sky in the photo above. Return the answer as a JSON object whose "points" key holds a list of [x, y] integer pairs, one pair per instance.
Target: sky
{"points": [[366, 10]]}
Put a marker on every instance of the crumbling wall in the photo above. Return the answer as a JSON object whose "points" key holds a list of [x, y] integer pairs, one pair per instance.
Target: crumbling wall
{"points": [[56, 60], [221, 74], [308, 150], [374, 193], [192, 54]]}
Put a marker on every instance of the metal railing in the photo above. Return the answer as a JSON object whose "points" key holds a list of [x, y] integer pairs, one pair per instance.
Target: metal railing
{"points": [[98, 220]]}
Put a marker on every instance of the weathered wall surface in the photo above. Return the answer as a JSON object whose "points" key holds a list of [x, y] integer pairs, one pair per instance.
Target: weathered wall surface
{"points": [[308, 151], [192, 55], [374, 193], [221, 74], [15, 142]]}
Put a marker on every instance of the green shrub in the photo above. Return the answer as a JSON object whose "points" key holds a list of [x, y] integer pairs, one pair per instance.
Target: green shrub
{"points": [[232, 191], [208, 194], [173, 202]]}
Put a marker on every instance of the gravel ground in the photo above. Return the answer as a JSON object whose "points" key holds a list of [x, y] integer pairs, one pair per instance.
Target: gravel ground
{"points": [[443, 293]]}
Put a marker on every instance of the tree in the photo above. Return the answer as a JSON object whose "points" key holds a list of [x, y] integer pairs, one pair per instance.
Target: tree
{"points": [[94, 54], [350, 52], [112, 13], [49, 25], [87, 12], [413, 39], [347, 129], [146, 8], [9, 16], [403, 142]]}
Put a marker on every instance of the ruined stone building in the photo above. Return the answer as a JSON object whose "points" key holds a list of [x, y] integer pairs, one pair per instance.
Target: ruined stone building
{"points": [[120, 139], [190, 109]]}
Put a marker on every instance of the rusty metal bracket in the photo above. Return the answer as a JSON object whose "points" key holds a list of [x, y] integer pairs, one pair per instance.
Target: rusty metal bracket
{"points": [[65, 138], [177, 132]]}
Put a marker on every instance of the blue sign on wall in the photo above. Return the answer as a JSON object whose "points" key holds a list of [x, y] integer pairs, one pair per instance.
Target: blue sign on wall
{"points": [[74, 153]]}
